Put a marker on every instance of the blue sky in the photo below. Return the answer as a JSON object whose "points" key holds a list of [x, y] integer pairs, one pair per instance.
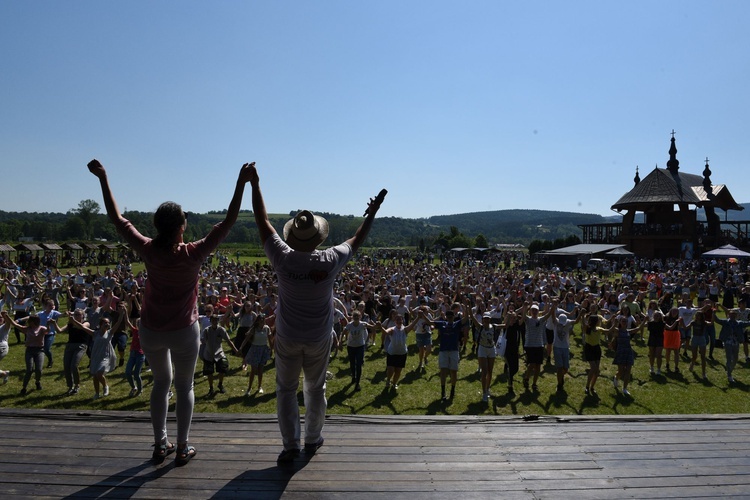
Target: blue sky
{"points": [[454, 107]]}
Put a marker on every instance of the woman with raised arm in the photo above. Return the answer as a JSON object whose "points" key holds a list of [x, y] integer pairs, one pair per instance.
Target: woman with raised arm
{"points": [[34, 355], [487, 335], [169, 329]]}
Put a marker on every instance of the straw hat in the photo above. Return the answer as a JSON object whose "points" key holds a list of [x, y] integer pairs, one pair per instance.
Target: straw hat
{"points": [[305, 231]]}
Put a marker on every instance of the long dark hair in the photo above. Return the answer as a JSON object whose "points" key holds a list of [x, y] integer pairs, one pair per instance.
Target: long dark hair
{"points": [[168, 219]]}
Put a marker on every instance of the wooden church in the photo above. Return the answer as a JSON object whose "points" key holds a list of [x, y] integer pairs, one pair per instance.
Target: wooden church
{"points": [[660, 214]]}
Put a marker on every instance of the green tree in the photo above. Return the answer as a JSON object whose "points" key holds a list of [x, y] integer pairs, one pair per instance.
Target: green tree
{"points": [[481, 241], [74, 228], [87, 210]]}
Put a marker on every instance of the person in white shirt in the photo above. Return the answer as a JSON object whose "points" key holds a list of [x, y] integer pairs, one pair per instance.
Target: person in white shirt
{"points": [[304, 314]]}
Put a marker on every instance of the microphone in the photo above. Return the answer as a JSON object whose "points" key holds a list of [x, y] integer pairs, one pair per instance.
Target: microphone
{"points": [[378, 200]]}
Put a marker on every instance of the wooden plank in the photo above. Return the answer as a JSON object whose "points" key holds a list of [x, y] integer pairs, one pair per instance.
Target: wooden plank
{"points": [[106, 454]]}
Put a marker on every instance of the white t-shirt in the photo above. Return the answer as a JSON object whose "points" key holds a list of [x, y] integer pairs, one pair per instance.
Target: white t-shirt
{"points": [[357, 334], [304, 311], [687, 313], [562, 335]]}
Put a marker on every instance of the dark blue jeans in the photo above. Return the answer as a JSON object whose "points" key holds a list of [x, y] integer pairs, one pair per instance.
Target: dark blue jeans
{"points": [[71, 359], [356, 360], [34, 361], [48, 341], [133, 370]]}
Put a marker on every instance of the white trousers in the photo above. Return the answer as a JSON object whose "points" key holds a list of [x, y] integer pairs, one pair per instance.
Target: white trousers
{"points": [[163, 350], [310, 359]]}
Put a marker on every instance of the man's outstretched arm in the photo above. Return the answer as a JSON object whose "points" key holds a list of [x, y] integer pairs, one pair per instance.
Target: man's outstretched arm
{"points": [[360, 236]]}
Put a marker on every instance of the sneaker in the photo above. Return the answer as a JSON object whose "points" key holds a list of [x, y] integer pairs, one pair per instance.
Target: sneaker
{"points": [[260, 390], [658, 371], [586, 391], [133, 391], [730, 379], [287, 456], [106, 390], [248, 392], [221, 389], [485, 397], [5, 377], [651, 370], [312, 448], [23, 391], [211, 392], [75, 390], [38, 386], [96, 396], [626, 392], [357, 387]]}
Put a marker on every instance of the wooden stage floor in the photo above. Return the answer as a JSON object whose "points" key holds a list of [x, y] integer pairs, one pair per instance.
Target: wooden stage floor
{"points": [[69, 454]]}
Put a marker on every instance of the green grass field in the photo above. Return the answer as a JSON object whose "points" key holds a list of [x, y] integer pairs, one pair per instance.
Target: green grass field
{"points": [[418, 393]]}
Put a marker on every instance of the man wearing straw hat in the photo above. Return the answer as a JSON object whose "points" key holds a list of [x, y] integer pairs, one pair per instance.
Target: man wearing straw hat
{"points": [[304, 314]]}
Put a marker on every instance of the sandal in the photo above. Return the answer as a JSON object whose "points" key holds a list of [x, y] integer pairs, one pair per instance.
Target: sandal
{"points": [[161, 451], [184, 455]]}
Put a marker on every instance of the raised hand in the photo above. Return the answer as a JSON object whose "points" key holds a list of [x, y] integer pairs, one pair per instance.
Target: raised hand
{"points": [[248, 173], [374, 204], [96, 168]]}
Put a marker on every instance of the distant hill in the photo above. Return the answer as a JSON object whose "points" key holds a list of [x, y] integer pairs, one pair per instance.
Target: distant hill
{"points": [[730, 215], [518, 225]]}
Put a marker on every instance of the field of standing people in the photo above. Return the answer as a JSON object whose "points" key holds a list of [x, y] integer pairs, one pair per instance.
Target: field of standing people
{"points": [[674, 390]]}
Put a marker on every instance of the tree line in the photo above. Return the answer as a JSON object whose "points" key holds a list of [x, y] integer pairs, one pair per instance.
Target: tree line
{"points": [[539, 229]]}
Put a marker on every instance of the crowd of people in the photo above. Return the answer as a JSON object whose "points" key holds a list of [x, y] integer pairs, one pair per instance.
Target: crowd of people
{"points": [[403, 304], [510, 313]]}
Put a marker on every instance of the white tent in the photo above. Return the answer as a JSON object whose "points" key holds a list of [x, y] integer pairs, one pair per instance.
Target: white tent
{"points": [[726, 252]]}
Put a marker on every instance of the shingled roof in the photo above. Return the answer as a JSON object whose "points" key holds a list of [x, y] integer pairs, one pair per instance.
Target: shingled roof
{"points": [[669, 186], [663, 187]]}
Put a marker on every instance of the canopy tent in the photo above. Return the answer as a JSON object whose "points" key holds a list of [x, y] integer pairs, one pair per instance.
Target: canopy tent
{"points": [[726, 252], [620, 252]]}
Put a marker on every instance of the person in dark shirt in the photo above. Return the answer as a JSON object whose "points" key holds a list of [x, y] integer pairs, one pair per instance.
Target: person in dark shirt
{"points": [[452, 334]]}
